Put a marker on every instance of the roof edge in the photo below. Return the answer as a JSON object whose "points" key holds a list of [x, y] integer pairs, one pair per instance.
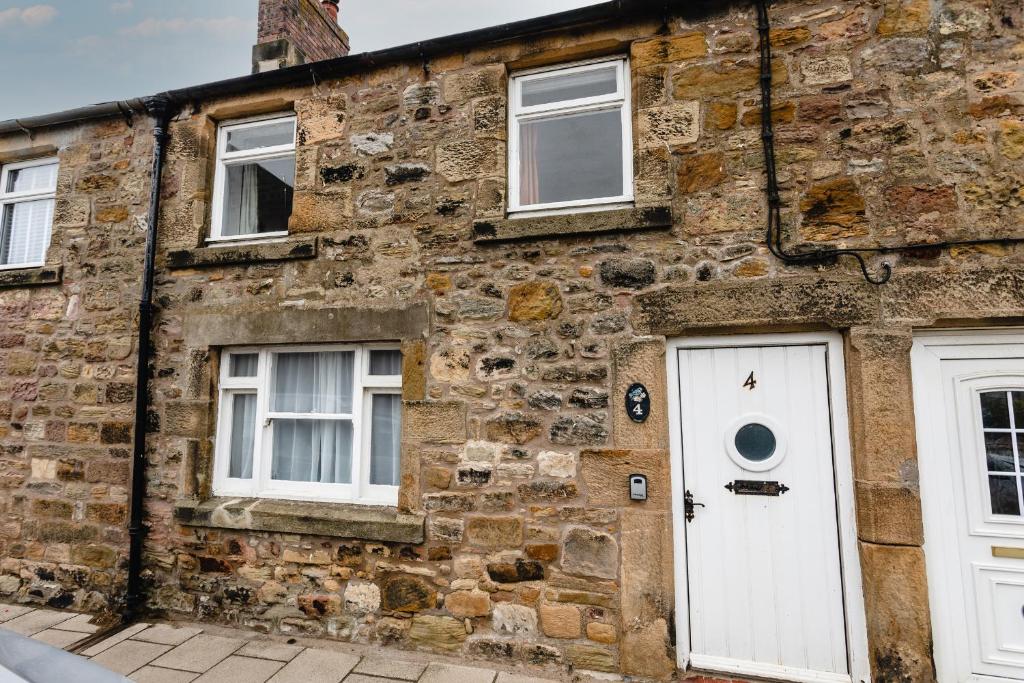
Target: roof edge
{"points": [[315, 72]]}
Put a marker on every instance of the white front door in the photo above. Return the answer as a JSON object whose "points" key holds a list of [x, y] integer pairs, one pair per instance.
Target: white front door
{"points": [[969, 405], [762, 541]]}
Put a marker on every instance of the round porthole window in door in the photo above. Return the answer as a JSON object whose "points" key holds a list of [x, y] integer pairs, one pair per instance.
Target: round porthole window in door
{"points": [[755, 442]]}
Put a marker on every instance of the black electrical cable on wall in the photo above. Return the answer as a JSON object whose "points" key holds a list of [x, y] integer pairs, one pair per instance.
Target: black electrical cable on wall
{"points": [[774, 232]]}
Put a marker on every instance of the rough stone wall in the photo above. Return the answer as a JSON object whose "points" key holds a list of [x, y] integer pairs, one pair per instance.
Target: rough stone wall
{"points": [[67, 372], [897, 121]]}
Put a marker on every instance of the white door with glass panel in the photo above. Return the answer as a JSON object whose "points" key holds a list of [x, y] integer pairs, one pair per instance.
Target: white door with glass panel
{"points": [[969, 403], [763, 549]]}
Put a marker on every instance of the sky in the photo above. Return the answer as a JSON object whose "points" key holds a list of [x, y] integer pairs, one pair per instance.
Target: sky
{"points": [[60, 54]]}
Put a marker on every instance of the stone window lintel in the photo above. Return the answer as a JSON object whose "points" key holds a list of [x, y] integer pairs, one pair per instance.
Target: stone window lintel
{"points": [[31, 277], [340, 520], [572, 223], [285, 249]]}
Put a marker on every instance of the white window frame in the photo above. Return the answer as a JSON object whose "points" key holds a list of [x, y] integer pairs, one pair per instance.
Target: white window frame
{"points": [[225, 159], [519, 114], [261, 485], [11, 198]]}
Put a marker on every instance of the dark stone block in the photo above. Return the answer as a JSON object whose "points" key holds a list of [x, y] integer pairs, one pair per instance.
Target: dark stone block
{"points": [[628, 273], [520, 570], [287, 250], [558, 225], [30, 277]]}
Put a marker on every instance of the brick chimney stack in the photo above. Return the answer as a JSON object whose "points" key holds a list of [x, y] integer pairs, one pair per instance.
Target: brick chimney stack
{"points": [[295, 32], [331, 7]]}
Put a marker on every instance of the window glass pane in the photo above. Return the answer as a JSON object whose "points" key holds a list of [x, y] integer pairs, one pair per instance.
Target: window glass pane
{"points": [[244, 364], [255, 137], [258, 196], [755, 442], [33, 179], [999, 451], [385, 362], [1005, 500], [385, 439], [1018, 408], [313, 382], [994, 413], [243, 431], [312, 450], [25, 232], [572, 86], [571, 157]]}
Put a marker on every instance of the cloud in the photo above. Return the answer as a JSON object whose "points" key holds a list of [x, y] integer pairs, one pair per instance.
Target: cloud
{"points": [[125, 6], [33, 15], [149, 28]]}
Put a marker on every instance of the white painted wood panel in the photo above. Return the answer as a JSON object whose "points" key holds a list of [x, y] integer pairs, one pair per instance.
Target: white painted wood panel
{"points": [[765, 586]]}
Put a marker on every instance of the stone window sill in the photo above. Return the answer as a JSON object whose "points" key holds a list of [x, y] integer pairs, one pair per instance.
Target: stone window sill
{"points": [[235, 254], [364, 522], [568, 224], [31, 277]]}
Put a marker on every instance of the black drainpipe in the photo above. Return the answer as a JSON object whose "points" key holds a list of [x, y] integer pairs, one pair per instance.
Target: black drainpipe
{"points": [[162, 112]]}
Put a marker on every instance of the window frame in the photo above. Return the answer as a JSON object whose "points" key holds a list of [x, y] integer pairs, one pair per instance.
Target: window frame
{"points": [[225, 159], [261, 485], [8, 199], [621, 99]]}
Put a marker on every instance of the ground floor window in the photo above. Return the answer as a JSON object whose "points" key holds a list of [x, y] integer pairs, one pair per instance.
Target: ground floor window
{"points": [[310, 423]]}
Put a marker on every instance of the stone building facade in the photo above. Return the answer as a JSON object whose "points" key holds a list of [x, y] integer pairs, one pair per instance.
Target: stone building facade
{"points": [[515, 536]]}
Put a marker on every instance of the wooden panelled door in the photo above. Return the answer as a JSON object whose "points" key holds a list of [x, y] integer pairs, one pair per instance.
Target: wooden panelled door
{"points": [[763, 565], [969, 406]]}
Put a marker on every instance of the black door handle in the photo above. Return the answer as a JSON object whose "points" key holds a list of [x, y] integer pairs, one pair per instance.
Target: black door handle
{"points": [[688, 506]]}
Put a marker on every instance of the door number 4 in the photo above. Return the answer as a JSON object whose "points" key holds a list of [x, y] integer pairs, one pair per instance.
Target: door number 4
{"points": [[751, 382]]}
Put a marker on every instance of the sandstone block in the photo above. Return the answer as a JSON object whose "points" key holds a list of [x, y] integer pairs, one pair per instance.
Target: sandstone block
{"points": [[560, 621], [495, 532], [464, 86], [444, 633], [587, 552], [590, 657], [722, 79], [516, 620], [628, 273], [833, 209], [602, 633], [461, 160], [441, 422], [676, 124], [468, 604], [404, 593], [671, 50], [558, 465], [538, 300], [514, 428], [828, 69]]}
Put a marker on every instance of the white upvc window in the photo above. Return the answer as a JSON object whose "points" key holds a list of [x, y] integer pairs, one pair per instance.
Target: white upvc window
{"points": [[319, 423], [27, 192], [570, 137], [255, 179]]}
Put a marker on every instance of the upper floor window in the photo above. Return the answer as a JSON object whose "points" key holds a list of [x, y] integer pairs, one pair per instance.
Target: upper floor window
{"points": [[571, 142], [27, 192], [310, 423], [255, 179]]}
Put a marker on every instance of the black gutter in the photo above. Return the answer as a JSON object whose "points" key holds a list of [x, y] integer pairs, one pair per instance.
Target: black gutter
{"points": [[315, 72], [162, 110]]}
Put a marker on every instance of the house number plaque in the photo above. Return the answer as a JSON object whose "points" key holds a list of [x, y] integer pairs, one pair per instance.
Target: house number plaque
{"points": [[638, 402]]}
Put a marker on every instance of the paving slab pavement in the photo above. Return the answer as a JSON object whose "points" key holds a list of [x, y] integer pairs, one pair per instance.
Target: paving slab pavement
{"points": [[198, 653]]}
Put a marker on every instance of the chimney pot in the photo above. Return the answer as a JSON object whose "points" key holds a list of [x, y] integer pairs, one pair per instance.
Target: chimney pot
{"points": [[331, 7]]}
